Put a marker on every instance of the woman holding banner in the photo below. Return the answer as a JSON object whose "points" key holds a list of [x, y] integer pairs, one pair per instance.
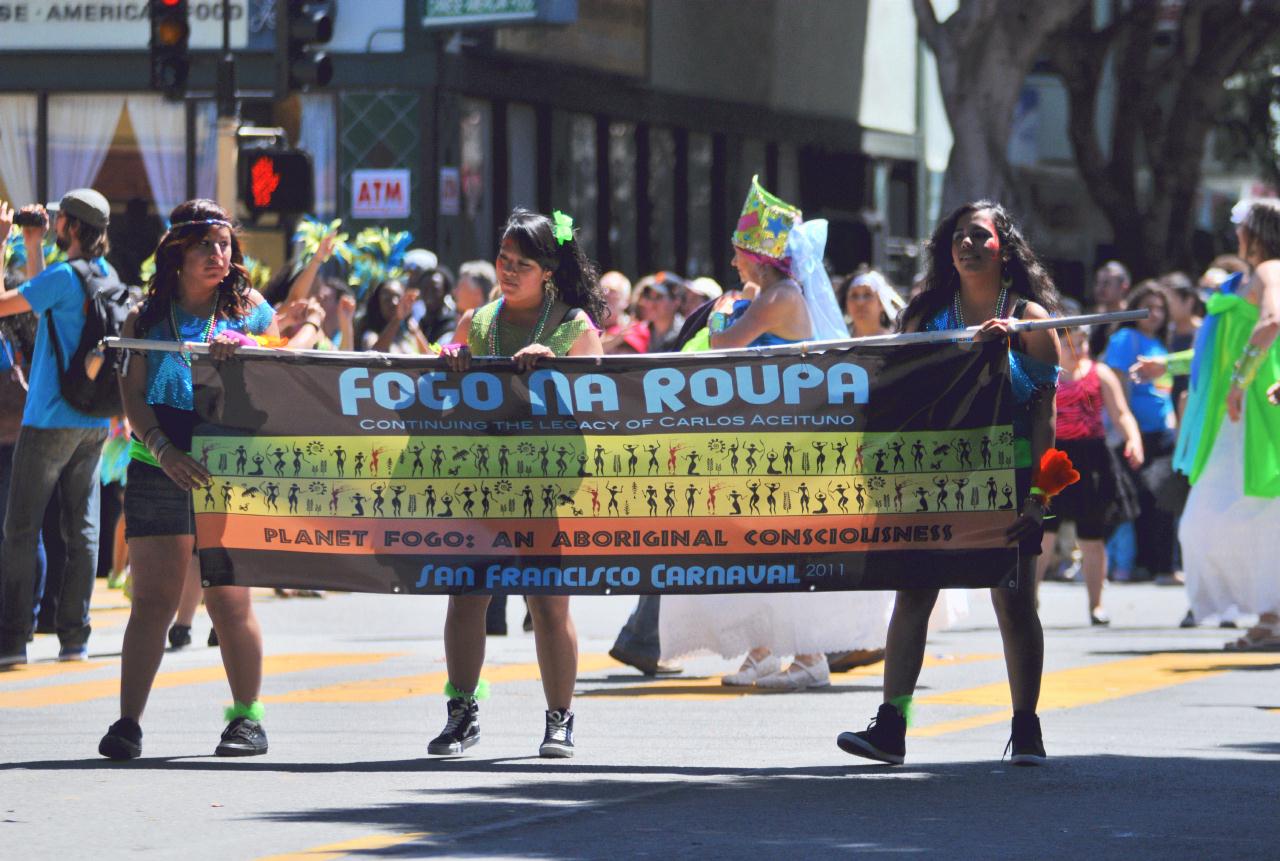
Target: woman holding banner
{"points": [[781, 255], [550, 302], [200, 293], [981, 267]]}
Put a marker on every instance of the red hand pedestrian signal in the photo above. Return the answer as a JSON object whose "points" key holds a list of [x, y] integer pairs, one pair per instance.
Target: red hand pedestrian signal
{"points": [[264, 179], [276, 180]]}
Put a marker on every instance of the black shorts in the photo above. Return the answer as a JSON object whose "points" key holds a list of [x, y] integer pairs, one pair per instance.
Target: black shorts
{"points": [[1102, 499], [154, 505]]}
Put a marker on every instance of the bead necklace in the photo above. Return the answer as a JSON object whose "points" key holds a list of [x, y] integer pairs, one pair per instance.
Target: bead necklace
{"points": [[204, 336], [959, 315], [537, 330]]}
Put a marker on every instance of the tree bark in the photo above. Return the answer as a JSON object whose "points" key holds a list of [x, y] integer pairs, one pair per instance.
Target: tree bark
{"points": [[984, 51], [1163, 112]]}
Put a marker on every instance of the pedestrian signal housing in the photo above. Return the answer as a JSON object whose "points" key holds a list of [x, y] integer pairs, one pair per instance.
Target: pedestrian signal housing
{"points": [[281, 181]]}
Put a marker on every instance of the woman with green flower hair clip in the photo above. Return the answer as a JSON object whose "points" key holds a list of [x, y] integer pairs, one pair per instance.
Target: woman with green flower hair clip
{"points": [[550, 306]]}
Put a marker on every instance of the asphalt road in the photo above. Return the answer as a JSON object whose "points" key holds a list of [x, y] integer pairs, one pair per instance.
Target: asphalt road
{"points": [[1161, 746]]}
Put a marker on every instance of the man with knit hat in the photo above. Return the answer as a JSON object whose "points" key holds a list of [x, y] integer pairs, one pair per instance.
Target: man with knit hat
{"points": [[57, 446]]}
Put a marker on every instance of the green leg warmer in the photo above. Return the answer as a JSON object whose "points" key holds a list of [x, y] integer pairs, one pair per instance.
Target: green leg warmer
{"points": [[253, 711]]}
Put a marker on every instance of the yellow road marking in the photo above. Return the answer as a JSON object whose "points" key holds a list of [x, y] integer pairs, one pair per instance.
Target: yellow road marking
{"points": [[1087, 685], [709, 688], [31, 672], [419, 685], [79, 692], [340, 850]]}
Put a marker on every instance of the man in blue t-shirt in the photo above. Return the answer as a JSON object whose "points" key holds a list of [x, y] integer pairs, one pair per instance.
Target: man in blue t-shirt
{"points": [[57, 445]]}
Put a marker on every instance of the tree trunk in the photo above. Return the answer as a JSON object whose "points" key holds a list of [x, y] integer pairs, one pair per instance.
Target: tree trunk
{"points": [[1163, 112], [985, 50]]}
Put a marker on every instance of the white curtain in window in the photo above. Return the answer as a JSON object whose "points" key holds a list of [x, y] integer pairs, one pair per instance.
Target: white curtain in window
{"points": [[318, 135], [161, 129], [206, 144], [81, 128], [18, 121]]}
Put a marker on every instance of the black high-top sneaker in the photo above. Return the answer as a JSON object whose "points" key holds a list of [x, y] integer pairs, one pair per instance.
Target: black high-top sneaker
{"points": [[243, 737], [557, 742], [884, 739], [122, 741], [1026, 741], [461, 730]]}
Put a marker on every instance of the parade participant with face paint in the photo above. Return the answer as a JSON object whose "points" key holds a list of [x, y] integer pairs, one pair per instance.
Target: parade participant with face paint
{"points": [[783, 255], [981, 268], [200, 293], [550, 304]]}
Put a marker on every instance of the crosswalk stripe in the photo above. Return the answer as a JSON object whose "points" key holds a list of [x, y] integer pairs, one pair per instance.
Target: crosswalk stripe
{"points": [[43, 670], [710, 688], [348, 847], [389, 689], [79, 692], [1088, 685]]}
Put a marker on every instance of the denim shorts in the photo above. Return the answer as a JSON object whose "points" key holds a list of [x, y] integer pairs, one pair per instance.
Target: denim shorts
{"points": [[154, 505]]}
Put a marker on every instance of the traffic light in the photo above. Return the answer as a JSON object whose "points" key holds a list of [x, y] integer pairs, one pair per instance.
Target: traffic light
{"points": [[170, 35], [276, 180], [302, 29]]}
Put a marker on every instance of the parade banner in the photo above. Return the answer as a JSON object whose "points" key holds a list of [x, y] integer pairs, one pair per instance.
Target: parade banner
{"points": [[862, 467]]}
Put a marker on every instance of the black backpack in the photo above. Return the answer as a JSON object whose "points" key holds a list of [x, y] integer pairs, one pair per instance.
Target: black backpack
{"points": [[90, 381]]}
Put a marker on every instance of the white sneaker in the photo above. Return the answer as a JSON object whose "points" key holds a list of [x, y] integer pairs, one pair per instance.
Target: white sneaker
{"points": [[752, 670], [797, 677]]}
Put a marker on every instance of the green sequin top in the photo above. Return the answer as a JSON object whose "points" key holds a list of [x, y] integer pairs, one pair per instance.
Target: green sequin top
{"points": [[512, 338]]}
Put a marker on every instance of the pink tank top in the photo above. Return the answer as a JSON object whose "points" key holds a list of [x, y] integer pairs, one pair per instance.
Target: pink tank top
{"points": [[1080, 406]]}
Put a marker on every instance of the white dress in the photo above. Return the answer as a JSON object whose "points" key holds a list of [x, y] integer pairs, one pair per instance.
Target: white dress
{"points": [[786, 623], [1230, 542]]}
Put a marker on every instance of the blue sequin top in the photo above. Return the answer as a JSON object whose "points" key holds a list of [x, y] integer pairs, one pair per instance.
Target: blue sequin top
{"points": [[1028, 376], [168, 376], [768, 339]]}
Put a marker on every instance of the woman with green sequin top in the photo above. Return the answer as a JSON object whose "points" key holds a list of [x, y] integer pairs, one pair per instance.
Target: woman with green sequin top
{"points": [[550, 305]]}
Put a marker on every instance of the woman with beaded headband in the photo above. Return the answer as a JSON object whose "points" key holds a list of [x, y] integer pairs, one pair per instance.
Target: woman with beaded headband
{"points": [[1228, 530], [550, 305], [200, 293], [779, 258], [980, 267]]}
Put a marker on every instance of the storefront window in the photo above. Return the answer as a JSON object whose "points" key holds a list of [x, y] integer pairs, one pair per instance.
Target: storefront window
{"points": [[316, 135], [206, 150], [662, 230], [622, 202], [700, 244], [82, 131], [18, 133], [477, 241], [522, 155], [573, 181]]}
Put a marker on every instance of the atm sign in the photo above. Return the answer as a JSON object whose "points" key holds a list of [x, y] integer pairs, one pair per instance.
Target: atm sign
{"points": [[380, 193]]}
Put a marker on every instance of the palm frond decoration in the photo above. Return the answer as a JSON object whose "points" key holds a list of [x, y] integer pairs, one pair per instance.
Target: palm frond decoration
{"points": [[52, 253], [13, 248], [147, 270], [378, 256], [259, 273], [307, 240]]}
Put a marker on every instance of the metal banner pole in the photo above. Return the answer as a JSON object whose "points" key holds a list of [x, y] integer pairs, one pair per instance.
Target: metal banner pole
{"points": [[950, 335]]}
